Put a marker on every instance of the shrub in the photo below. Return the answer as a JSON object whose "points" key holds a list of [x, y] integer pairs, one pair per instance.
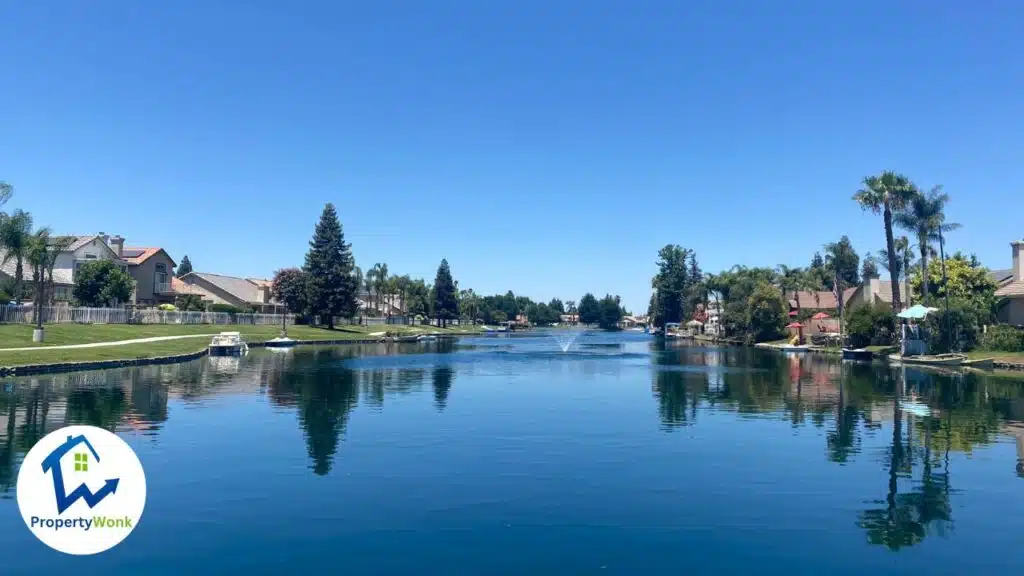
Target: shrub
{"points": [[1003, 338], [871, 326], [955, 329], [227, 308]]}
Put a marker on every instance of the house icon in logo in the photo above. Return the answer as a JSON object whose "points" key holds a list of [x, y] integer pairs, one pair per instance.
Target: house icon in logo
{"points": [[52, 465]]}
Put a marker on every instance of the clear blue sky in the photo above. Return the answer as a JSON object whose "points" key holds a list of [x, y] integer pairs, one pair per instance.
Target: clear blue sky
{"points": [[547, 147]]}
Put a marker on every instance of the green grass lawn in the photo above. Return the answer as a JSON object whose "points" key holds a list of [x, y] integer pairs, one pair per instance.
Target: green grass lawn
{"points": [[17, 335], [1014, 357]]}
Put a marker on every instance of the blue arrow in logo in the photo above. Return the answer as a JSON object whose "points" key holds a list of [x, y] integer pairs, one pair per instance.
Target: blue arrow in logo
{"points": [[64, 501]]}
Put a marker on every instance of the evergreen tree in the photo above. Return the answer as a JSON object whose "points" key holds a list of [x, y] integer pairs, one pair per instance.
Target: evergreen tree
{"points": [[446, 302], [329, 269], [184, 267]]}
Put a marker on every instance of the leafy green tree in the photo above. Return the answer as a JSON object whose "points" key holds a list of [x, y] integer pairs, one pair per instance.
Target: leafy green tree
{"points": [[498, 317], [446, 305], [419, 298], [766, 312], [887, 193], [589, 309], [290, 287], [966, 280], [678, 286], [102, 283], [329, 269], [184, 267], [868, 267], [867, 326], [610, 313], [15, 239], [842, 262], [556, 306]]}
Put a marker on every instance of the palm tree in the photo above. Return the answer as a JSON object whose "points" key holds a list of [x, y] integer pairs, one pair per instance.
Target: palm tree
{"points": [[570, 307], [15, 234], [41, 254], [6, 191], [887, 193], [924, 216], [791, 281], [382, 283]]}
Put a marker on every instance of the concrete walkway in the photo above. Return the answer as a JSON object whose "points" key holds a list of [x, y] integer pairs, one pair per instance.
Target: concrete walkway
{"points": [[116, 343]]}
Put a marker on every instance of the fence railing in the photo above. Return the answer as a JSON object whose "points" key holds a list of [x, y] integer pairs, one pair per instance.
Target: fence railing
{"points": [[83, 315]]}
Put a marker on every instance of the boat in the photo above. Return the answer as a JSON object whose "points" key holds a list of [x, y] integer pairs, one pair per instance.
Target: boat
{"points": [[981, 363], [794, 348], [857, 354], [228, 344], [672, 330], [412, 338], [951, 359], [426, 337], [281, 342]]}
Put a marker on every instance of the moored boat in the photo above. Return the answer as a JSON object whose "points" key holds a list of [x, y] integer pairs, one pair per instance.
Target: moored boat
{"points": [[981, 363], [951, 359], [228, 344], [281, 342], [859, 354]]}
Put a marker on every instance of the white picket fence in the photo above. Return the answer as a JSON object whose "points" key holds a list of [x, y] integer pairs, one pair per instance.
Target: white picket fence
{"points": [[83, 315]]}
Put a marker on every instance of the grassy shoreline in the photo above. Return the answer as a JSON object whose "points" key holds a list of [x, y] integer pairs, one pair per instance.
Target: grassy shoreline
{"points": [[16, 336]]}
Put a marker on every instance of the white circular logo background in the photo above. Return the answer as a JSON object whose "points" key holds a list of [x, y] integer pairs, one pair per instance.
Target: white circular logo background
{"points": [[81, 490]]}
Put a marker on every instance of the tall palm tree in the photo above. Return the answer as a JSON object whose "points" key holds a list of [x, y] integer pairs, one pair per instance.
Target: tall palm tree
{"points": [[887, 193], [382, 285], [924, 216], [6, 191], [15, 238], [791, 281]]}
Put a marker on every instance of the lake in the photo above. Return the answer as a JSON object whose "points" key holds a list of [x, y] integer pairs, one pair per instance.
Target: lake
{"points": [[504, 455]]}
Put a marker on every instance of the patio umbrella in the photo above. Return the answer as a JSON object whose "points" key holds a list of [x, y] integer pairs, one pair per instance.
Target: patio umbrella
{"points": [[800, 329], [916, 312], [820, 316], [792, 313]]}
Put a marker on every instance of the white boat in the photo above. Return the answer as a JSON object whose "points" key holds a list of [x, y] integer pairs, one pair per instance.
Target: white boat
{"points": [[228, 344], [793, 348], [281, 342], [426, 337]]}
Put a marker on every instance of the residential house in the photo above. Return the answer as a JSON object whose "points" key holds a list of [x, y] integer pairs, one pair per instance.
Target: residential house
{"points": [[152, 270], [1010, 289], [569, 318], [81, 250], [874, 292], [823, 300], [243, 293]]}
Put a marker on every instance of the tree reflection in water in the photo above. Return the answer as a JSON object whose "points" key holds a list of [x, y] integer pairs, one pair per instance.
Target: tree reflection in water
{"points": [[966, 411]]}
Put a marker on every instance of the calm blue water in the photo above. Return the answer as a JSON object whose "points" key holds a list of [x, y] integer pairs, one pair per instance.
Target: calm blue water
{"points": [[505, 456]]}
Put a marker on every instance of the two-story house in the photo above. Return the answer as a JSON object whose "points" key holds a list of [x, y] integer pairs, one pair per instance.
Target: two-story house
{"points": [[152, 270], [81, 250]]}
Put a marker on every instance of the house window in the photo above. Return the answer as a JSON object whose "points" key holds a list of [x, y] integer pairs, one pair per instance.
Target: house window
{"points": [[81, 462], [90, 256], [161, 268]]}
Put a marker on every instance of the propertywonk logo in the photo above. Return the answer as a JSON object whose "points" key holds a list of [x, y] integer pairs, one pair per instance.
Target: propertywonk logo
{"points": [[81, 490]]}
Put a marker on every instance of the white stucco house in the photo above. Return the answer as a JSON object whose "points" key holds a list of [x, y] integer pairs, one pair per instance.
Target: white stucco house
{"points": [[82, 249]]}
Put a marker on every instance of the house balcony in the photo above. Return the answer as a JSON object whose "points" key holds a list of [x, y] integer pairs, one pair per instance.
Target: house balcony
{"points": [[163, 288]]}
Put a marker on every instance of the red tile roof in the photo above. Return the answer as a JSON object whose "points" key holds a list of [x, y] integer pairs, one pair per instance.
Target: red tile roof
{"points": [[143, 254]]}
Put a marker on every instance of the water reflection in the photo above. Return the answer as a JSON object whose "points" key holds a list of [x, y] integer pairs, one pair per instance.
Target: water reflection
{"points": [[907, 422], [931, 414]]}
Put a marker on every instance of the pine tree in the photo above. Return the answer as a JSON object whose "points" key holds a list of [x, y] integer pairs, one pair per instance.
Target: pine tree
{"points": [[184, 267], [329, 268], [446, 305]]}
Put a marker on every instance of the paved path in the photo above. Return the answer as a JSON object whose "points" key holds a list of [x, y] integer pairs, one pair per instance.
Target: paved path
{"points": [[116, 343]]}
